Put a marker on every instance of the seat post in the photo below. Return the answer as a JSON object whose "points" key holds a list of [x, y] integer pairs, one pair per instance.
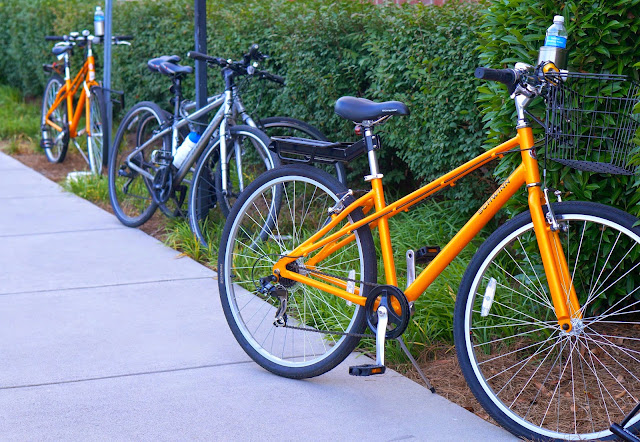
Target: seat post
{"points": [[374, 170], [177, 99]]}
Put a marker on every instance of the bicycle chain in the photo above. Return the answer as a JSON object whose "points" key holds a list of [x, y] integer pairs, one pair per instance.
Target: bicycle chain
{"points": [[329, 332]]}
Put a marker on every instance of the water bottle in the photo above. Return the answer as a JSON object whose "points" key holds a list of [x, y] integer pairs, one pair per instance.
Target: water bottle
{"points": [[184, 149], [98, 22], [555, 44]]}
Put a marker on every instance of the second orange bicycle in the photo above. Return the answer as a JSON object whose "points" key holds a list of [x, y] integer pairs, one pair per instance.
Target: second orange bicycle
{"points": [[60, 121]]}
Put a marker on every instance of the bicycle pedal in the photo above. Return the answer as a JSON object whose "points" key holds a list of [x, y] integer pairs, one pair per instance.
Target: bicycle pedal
{"points": [[367, 370], [427, 253]]}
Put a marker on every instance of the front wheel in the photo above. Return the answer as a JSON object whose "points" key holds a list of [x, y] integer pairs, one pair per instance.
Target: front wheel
{"points": [[97, 138], [54, 141], [315, 330], [533, 378]]}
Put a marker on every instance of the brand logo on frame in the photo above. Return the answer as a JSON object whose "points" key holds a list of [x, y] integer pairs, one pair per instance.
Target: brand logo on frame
{"points": [[494, 196]]}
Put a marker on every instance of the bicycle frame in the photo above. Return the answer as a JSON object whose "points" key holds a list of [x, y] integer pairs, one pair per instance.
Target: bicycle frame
{"points": [[85, 77], [228, 106], [560, 283]]}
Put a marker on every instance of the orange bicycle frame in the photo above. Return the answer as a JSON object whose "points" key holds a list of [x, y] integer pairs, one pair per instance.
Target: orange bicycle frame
{"points": [[86, 78], [527, 173]]}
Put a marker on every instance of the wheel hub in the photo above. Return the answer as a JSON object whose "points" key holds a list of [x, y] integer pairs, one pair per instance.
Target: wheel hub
{"points": [[296, 266], [577, 328]]}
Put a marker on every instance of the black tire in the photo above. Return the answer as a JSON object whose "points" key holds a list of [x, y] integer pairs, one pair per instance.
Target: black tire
{"points": [[535, 380], [53, 142], [129, 191], [253, 145], [98, 155], [205, 222], [285, 126], [246, 255]]}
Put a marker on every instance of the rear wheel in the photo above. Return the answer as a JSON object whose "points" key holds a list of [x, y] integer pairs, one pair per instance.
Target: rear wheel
{"points": [[54, 142], [276, 213], [533, 378], [98, 135], [129, 187]]}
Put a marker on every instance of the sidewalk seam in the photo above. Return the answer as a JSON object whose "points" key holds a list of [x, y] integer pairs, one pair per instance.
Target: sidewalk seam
{"points": [[116, 376], [62, 289], [63, 232]]}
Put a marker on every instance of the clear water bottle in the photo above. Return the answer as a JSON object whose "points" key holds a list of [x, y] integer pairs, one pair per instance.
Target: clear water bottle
{"points": [[555, 44], [184, 149], [98, 22]]}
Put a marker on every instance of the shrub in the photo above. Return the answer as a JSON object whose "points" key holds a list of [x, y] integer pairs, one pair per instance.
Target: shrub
{"points": [[603, 37], [419, 54]]}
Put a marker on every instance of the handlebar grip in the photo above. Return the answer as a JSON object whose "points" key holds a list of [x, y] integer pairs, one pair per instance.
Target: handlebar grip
{"points": [[271, 77], [123, 37], [507, 77], [198, 56], [208, 58], [54, 38], [276, 78]]}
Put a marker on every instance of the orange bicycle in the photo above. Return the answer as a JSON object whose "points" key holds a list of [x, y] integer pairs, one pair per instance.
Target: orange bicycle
{"points": [[547, 315], [58, 103]]}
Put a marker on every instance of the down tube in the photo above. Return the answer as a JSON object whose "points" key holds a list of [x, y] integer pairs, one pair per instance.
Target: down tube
{"points": [[467, 233]]}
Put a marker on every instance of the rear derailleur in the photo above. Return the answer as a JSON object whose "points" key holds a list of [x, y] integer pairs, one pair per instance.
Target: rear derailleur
{"points": [[269, 286]]}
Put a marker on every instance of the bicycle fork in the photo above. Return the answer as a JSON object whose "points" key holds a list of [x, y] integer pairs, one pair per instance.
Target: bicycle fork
{"points": [[547, 232]]}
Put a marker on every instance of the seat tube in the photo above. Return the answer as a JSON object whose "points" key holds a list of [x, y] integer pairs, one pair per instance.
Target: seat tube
{"points": [[227, 74], [67, 81], [383, 223], [548, 241]]}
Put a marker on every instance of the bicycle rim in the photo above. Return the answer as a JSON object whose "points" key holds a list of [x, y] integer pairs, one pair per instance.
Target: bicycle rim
{"points": [[57, 152]]}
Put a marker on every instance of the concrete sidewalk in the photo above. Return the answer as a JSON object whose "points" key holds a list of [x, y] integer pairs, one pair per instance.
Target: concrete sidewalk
{"points": [[105, 333]]}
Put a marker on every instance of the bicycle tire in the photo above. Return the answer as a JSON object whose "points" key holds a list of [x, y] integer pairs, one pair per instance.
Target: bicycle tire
{"points": [[246, 255], [56, 151], [535, 380], [256, 158], [129, 191], [98, 153], [286, 126]]}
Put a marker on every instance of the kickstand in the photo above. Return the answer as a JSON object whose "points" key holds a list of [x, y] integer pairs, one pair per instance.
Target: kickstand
{"points": [[621, 432], [404, 348]]}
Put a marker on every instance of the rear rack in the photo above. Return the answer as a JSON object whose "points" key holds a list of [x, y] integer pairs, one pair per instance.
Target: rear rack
{"points": [[305, 150]]}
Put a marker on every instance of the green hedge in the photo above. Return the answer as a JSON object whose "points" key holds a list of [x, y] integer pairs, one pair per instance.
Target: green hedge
{"points": [[604, 36], [419, 54]]}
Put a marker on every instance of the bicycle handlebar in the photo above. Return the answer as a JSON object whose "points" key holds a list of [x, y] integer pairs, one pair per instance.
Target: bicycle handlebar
{"points": [[82, 38], [243, 67]]}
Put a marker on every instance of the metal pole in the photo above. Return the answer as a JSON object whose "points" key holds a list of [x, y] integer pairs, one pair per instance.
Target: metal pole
{"points": [[106, 81], [200, 22]]}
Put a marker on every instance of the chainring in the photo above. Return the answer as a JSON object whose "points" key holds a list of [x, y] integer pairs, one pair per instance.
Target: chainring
{"points": [[393, 299]]}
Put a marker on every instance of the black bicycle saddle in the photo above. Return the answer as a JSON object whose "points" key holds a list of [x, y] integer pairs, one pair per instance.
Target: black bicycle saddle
{"points": [[166, 65], [61, 49], [361, 109]]}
